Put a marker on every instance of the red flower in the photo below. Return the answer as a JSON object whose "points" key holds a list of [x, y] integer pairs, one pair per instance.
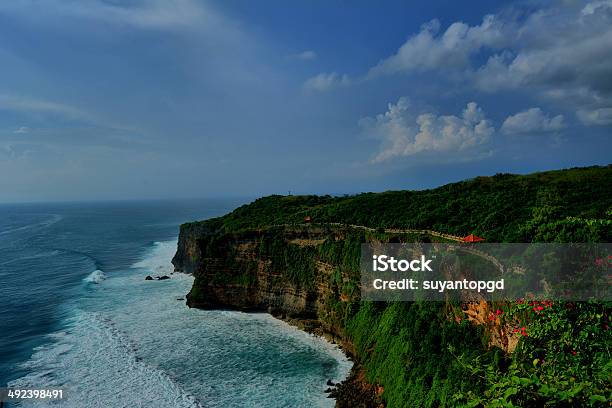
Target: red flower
{"points": [[574, 352], [498, 312], [599, 261]]}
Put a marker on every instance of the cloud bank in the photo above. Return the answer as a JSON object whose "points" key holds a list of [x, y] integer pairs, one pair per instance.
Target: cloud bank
{"points": [[559, 54], [450, 50], [532, 121], [404, 133]]}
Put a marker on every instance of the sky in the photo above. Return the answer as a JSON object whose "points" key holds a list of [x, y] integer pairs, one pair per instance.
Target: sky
{"points": [[138, 99]]}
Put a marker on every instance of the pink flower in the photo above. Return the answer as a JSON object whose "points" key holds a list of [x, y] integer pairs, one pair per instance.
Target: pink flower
{"points": [[498, 312]]}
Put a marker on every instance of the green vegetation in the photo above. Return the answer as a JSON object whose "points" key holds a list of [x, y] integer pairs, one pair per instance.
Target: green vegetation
{"points": [[563, 358], [405, 347], [423, 354], [545, 206]]}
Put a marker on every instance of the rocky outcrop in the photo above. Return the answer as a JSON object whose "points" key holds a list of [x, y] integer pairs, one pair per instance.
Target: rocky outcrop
{"points": [[235, 271], [186, 258]]}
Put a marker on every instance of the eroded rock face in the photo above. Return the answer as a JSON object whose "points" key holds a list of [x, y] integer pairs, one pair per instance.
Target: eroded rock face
{"points": [[186, 258], [237, 271]]}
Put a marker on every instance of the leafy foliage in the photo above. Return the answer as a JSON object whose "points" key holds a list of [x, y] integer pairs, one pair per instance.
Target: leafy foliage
{"points": [[563, 358], [404, 347]]}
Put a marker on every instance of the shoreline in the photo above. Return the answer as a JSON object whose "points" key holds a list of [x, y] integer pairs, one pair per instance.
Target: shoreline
{"points": [[341, 388], [353, 390]]}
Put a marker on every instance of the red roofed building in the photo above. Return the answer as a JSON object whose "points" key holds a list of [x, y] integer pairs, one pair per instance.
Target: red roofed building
{"points": [[473, 238]]}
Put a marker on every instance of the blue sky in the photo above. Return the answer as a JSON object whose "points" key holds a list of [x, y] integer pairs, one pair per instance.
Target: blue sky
{"points": [[103, 99]]}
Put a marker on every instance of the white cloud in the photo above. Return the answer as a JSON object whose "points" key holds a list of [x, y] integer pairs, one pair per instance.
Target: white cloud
{"points": [[306, 55], [326, 81], [602, 116], [404, 133], [452, 49], [578, 55], [559, 53], [21, 130], [564, 55], [532, 121]]}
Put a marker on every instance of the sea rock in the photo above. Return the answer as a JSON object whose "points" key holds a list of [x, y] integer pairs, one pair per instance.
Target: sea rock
{"points": [[164, 277], [149, 277]]}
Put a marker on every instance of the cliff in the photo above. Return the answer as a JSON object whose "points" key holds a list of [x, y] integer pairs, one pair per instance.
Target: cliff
{"points": [[260, 258], [279, 270]]}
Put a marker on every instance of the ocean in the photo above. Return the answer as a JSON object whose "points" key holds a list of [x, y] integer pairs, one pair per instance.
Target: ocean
{"points": [[78, 314]]}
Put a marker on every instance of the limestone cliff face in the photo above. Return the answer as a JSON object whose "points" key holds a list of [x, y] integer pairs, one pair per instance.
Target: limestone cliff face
{"points": [[276, 270]]}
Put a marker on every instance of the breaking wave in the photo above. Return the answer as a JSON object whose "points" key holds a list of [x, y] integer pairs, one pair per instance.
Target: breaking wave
{"points": [[96, 276]]}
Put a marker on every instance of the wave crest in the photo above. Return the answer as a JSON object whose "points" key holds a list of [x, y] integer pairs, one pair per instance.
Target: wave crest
{"points": [[96, 277]]}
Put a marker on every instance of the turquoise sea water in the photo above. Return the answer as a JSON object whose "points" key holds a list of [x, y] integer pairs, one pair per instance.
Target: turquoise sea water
{"points": [[78, 314]]}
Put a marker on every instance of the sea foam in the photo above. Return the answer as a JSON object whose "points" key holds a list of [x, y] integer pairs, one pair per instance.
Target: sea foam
{"points": [[96, 276], [134, 343]]}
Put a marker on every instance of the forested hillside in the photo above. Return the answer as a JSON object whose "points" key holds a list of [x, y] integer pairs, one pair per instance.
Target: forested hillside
{"points": [[550, 206]]}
